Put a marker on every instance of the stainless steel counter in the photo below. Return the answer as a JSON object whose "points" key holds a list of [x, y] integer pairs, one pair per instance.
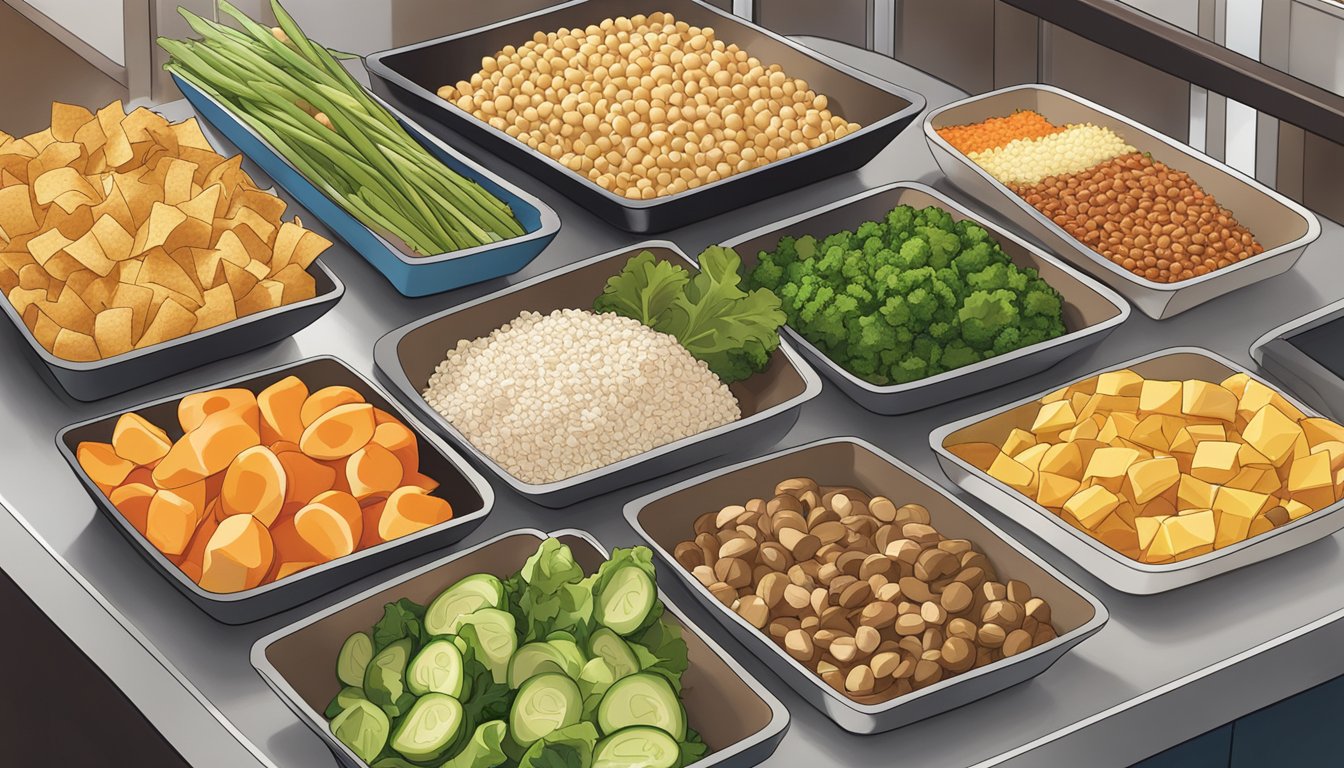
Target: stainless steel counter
{"points": [[1164, 669]]}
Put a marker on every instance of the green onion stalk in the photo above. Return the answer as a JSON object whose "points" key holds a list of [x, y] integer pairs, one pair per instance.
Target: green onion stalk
{"points": [[298, 97]]}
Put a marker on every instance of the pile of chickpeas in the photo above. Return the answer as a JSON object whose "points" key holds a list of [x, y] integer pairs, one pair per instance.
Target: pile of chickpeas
{"points": [[647, 106]]}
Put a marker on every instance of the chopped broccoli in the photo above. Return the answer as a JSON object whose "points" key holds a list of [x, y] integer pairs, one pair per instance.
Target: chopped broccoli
{"points": [[909, 296]]}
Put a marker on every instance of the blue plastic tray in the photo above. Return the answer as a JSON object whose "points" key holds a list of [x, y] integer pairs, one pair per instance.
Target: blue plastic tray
{"points": [[410, 274]]}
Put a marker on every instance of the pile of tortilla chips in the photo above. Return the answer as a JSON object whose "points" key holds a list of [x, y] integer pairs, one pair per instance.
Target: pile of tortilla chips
{"points": [[121, 231]]}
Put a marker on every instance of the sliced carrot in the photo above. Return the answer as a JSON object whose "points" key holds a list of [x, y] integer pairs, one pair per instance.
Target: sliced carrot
{"points": [[238, 555], [373, 470], [132, 501], [102, 464], [254, 484], [136, 440], [339, 432], [280, 405], [193, 409], [324, 400], [410, 509]]}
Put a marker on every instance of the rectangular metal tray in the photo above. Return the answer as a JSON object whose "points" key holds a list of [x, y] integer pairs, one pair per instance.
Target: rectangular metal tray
{"points": [[666, 517], [1316, 384], [1091, 310], [408, 272], [883, 109], [740, 721], [468, 492], [97, 379], [1106, 564], [1282, 226], [770, 400]]}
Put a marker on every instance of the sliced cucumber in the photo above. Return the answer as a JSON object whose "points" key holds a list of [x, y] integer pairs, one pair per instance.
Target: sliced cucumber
{"points": [[642, 699], [429, 728], [469, 595], [437, 668], [493, 637], [545, 703], [626, 600], [344, 700], [385, 676], [355, 654], [638, 746], [609, 646], [534, 659], [363, 728]]}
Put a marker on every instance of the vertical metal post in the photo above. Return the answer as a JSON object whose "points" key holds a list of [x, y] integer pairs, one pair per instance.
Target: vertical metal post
{"points": [[137, 32], [883, 33]]}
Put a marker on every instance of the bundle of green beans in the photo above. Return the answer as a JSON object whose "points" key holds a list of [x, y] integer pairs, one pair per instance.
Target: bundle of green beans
{"points": [[300, 99]]}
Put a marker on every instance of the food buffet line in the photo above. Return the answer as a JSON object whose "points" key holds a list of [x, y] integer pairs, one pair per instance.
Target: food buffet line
{"points": [[884, 464]]}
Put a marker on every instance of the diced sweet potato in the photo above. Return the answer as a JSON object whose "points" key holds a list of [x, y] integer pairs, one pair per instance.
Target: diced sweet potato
{"points": [[325, 530], [410, 509], [383, 417], [373, 470], [304, 479], [173, 515], [400, 440], [423, 482], [980, 455], [102, 464], [346, 506], [208, 449], [193, 558], [279, 405], [324, 400], [193, 409], [338, 432], [132, 501], [254, 484], [281, 446], [136, 440], [238, 555], [372, 513], [289, 545]]}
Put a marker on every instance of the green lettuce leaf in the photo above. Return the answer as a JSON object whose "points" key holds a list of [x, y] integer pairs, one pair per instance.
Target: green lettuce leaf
{"points": [[483, 750], [661, 649], [643, 289], [570, 747], [401, 619]]}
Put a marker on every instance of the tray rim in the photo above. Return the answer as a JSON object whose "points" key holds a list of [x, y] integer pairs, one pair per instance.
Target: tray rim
{"points": [[378, 68], [1113, 298], [550, 220], [939, 435], [1100, 615], [1313, 223], [780, 718], [473, 478], [385, 350]]}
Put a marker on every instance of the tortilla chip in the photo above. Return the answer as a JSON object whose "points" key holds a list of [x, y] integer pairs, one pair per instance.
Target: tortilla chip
{"points": [[137, 298], [113, 239], [114, 205], [206, 262], [80, 281], [229, 173], [163, 219], [231, 249], [69, 310], [256, 247], [89, 252], [16, 211], [9, 279], [189, 134], [240, 281], [44, 329], [268, 294], [141, 125], [139, 196], [59, 182], [191, 233], [118, 146], [172, 321], [258, 269], [72, 225], [204, 206], [264, 204], [98, 295], [217, 309], [91, 136], [112, 331], [46, 245], [33, 277], [59, 154], [206, 161], [160, 269], [299, 285], [177, 180], [66, 119], [40, 140]]}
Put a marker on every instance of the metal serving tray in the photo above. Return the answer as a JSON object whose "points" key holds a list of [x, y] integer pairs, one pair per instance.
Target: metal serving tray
{"points": [[1106, 564], [770, 400], [883, 109], [461, 485], [666, 517], [1091, 310], [97, 379], [1286, 352], [408, 272], [740, 721], [1282, 226]]}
